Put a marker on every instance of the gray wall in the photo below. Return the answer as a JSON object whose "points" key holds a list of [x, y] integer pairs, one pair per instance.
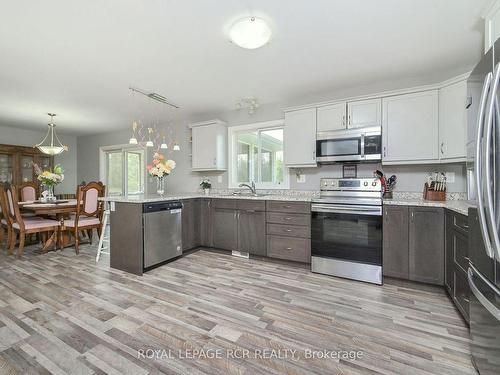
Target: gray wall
{"points": [[411, 178], [24, 137]]}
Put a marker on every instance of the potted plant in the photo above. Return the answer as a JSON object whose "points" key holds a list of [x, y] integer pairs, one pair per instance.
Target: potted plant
{"points": [[49, 179], [159, 169], [206, 185]]}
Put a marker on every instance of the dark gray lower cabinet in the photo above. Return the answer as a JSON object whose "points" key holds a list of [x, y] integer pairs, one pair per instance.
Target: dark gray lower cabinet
{"points": [[225, 229], [205, 225], [426, 244], [252, 232], [457, 261], [395, 243], [189, 225]]}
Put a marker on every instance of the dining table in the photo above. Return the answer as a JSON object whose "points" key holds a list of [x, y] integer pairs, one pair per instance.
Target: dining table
{"points": [[61, 210]]}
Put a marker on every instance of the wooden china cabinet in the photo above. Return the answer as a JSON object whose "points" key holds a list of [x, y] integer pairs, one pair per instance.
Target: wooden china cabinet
{"points": [[16, 163]]}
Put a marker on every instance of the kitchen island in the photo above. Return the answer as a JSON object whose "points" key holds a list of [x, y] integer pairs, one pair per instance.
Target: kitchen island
{"points": [[264, 225]]}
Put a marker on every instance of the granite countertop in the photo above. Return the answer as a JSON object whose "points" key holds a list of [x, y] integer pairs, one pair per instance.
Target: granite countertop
{"points": [[460, 206], [172, 197]]}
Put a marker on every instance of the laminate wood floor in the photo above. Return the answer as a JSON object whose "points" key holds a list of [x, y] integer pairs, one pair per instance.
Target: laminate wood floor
{"points": [[209, 312]]}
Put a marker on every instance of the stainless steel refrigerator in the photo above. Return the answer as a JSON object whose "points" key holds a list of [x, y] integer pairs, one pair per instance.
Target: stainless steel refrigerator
{"points": [[483, 168]]}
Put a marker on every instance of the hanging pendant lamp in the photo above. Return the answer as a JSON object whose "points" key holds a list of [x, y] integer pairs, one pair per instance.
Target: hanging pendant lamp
{"points": [[47, 145]]}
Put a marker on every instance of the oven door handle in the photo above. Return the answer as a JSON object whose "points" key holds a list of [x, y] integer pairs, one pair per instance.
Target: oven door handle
{"points": [[340, 209]]}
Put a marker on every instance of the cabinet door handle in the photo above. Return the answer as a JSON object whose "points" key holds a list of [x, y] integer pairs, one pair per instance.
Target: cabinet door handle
{"points": [[215, 161], [412, 216], [288, 248], [350, 120], [442, 145], [343, 120], [385, 153]]}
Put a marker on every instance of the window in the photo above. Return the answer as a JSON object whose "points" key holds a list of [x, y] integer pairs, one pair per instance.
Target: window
{"points": [[256, 154], [123, 170]]}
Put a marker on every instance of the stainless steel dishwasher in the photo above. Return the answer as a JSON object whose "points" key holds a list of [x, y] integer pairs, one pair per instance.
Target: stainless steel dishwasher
{"points": [[162, 232]]}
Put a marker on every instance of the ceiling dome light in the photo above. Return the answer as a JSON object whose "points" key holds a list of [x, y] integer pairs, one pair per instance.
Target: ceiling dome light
{"points": [[250, 33]]}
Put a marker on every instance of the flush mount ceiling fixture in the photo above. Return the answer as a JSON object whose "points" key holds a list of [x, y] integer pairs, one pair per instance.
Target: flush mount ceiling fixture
{"points": [[51, 145], [250, 32]]}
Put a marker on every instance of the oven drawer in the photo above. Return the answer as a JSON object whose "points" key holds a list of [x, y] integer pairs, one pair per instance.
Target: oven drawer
{"points": [[285, 218], [289, 248], [288, 230], [285, 206]]}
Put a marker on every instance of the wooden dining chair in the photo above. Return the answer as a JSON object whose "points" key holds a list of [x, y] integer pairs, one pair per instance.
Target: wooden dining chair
{"points": [[4, 219], [89, 211], [29, 191], [21, 226]]}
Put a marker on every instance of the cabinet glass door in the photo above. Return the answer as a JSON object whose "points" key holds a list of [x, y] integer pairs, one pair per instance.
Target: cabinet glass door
{"points": [[6, 168], [26, 168]]}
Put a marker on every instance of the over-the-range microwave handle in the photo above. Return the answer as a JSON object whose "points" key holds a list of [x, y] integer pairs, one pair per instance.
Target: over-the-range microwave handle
{"points": [[491, 120], [492, 309], [340, 209], [479, 164]]}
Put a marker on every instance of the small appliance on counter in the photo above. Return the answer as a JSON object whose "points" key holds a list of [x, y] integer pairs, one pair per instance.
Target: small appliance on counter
{"points": [[346, 229]]}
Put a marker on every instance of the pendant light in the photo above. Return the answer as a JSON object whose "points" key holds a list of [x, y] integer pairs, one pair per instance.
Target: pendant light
{"points": [[149, 143], [133, 140], [51, 148]]}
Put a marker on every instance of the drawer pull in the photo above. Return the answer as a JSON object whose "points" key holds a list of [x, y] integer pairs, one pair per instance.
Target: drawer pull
{"points": [[288, 248], [287, 230], [287, 218], [287, 206]]}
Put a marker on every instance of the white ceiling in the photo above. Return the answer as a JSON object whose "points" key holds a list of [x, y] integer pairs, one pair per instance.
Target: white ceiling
{"points": [[79, 58]]}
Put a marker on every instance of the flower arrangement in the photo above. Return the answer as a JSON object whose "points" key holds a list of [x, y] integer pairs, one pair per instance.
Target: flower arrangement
{"points": [[160, 167], [205, 183], [49, 178]]}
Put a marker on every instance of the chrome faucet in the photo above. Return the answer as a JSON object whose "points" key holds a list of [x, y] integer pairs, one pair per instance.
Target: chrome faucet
{"points": [[252, 188]]}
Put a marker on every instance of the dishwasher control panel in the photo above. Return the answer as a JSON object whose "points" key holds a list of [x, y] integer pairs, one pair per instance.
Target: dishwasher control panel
{"points": [[161, 206]]}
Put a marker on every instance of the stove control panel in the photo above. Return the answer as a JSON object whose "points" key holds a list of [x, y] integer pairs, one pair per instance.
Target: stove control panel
{"points": [[361, 184]]}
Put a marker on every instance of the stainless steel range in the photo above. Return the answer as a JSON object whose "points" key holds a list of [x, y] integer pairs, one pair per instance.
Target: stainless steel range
{"points": [[346, 229]]}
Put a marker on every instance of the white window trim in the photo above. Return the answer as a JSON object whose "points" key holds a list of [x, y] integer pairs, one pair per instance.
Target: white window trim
{"points": [[231, 133], [103, 173]]}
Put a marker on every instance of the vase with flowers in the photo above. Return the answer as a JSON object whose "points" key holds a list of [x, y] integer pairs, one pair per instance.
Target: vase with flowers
{"points": [[206, 185], [159, 168], [49, 179]]}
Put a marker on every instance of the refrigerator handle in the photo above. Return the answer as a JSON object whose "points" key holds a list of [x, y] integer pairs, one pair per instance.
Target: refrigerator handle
{"points": [[479, 166], [490, 123], [492, 309]]}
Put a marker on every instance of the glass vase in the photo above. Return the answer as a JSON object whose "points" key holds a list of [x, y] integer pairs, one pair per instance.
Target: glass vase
{"points": [[50, 193], [160, 186]]}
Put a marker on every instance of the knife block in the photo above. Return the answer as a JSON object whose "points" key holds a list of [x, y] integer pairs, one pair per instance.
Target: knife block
{"points": [[433, 195]]}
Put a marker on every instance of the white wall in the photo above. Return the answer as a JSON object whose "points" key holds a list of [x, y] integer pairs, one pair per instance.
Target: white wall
{"points": [[24, 137]]}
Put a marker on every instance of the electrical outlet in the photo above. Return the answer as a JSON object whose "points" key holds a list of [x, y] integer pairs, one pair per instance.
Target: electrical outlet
{"points": [[450, 177], [219, 179], [301, 178]]}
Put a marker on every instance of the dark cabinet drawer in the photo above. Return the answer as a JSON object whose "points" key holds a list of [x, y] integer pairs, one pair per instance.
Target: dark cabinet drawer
{"points": [[292, 207], [461, 293], [286, 218], [251, 205], [289, 248], [458, 221], [288, 230], [460, 245]]}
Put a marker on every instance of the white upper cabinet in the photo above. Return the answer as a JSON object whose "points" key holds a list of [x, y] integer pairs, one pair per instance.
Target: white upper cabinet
{"points": [[410, 128], [209, 146], [453, 122], [332, 117], [299, 139], [350, 115], [364, 113]]}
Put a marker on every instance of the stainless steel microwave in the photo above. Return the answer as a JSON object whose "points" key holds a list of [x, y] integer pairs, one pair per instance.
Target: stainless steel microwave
{"points": [[349, 145]]}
